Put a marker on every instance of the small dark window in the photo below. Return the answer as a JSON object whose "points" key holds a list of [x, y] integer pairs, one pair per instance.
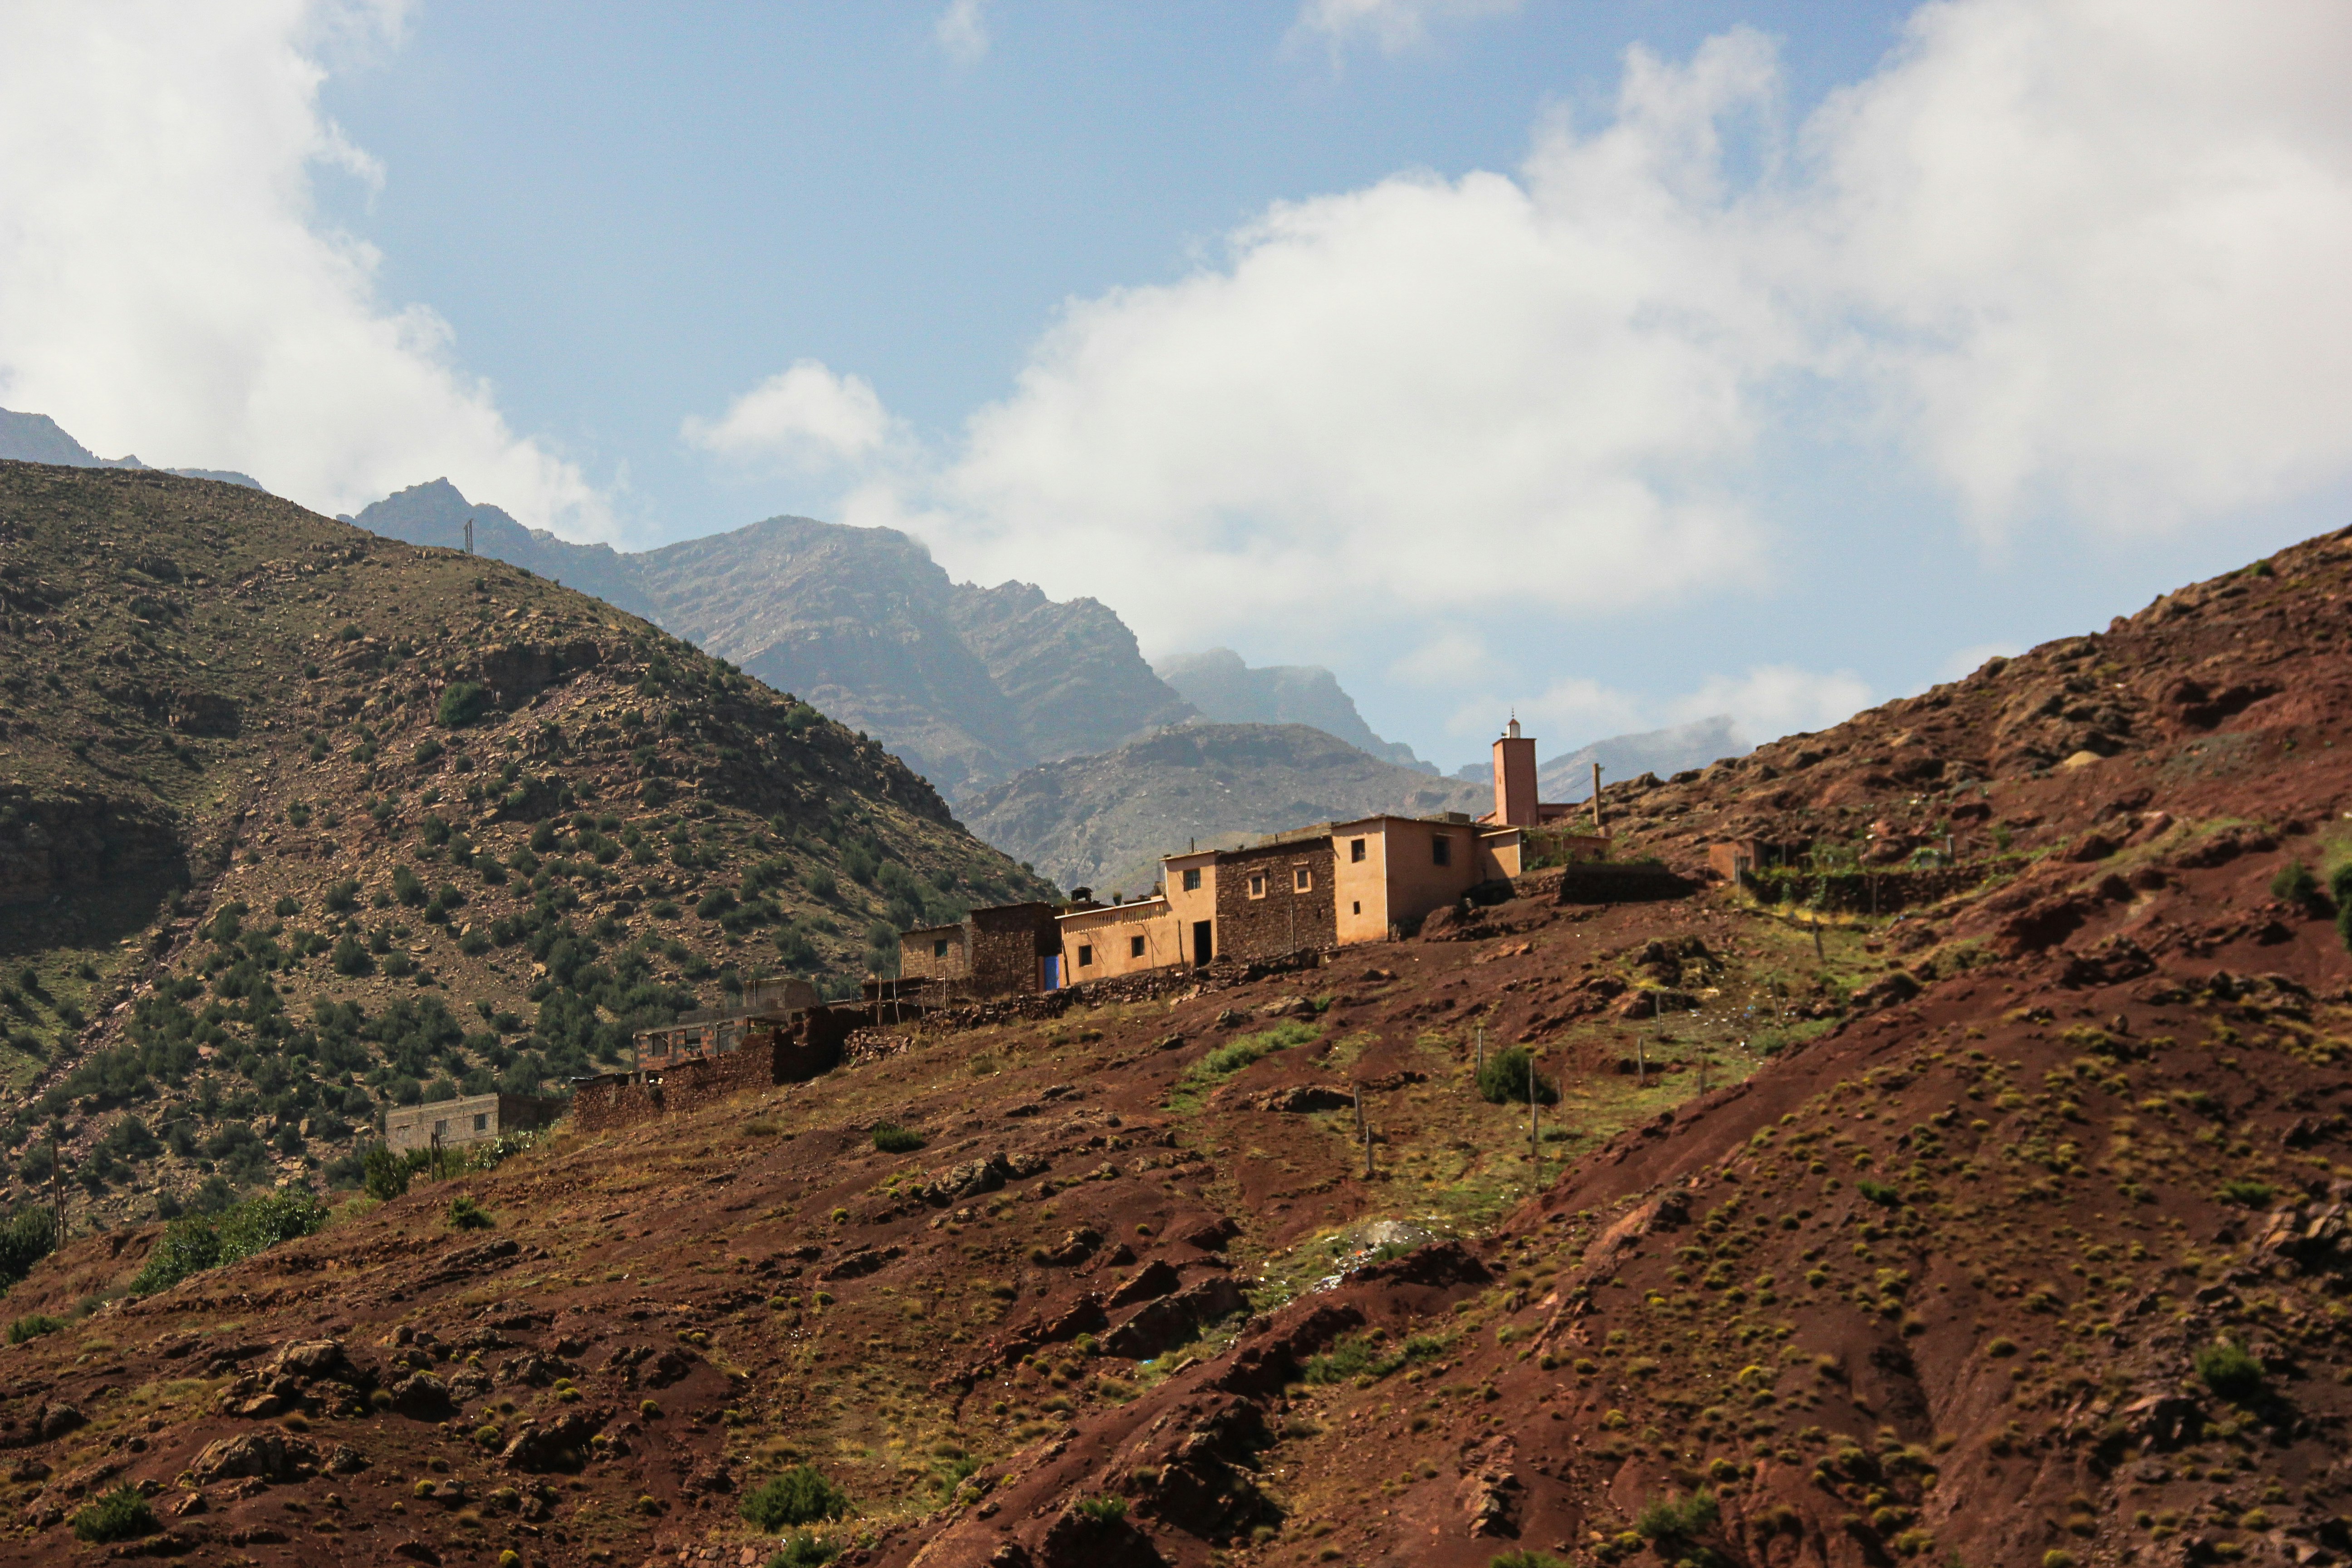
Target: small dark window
{"points": [[1355, 849], [939, 948], [1257, 886], [1192, 880], [482, 1123], [1360, 907], [1302, 881], [1441, 851], [1134, 947], [1085, 955]]}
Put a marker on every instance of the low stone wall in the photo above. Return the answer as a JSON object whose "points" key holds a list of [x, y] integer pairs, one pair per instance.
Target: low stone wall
{"points": [[766, 1059]]}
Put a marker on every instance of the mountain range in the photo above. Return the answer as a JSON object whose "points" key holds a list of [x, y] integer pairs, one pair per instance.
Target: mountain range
{"points": [[1103, 821], [38, 438]]}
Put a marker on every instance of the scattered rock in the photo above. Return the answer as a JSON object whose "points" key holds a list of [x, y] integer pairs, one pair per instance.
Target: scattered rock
{"points": [[265, 1453]]}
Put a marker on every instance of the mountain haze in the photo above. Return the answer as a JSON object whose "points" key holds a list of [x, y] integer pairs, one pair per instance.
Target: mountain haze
{"points": [[969, 685], [1103, 821], [38, 438], [1228, 691], [1661, 752]]}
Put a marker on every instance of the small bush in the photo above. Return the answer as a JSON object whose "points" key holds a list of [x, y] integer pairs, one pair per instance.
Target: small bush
{"points": [[806, 1550], [28, 1235], [1238, 1054], [1883, 1193], [1103, 1509], [32, 1327], [2230, 1370], [462, 702], [1527, 1559], [384, 1174], [465, 1214], [893, 1138], [801, 1495], [1677, 1518], [2295, 884], [1502, 1078], [2245, 1192], [119, 1515]]}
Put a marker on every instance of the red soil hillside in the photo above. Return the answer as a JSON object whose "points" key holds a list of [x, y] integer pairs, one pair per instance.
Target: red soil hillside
{"points": [[2007, 1233]]}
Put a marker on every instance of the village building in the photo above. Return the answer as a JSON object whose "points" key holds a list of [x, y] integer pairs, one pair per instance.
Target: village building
{"points": [[1311, 890], [470, 1118]]}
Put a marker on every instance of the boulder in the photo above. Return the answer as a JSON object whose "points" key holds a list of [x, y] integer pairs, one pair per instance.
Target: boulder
{"points": [[422, 1396], [265, 1453]]}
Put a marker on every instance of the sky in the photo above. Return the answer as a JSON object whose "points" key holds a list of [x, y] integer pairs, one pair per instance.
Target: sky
{"points": [[1612, 362]]}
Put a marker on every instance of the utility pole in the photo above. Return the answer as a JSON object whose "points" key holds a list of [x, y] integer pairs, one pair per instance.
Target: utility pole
{"points": [[1480, 1066], [1535, 1145], [1819, 956], [1597, 831], [470, 536], [1363, 1132], [1641, 1064]]}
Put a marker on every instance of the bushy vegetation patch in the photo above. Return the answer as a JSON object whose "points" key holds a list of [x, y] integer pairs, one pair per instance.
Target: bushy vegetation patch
{"points": [[1677, 1518], [804, 1550], [32, 1326], [893, 1138], [465, 1214], [1504, 1077], [28, 1235], [118, 1515], [2230, 1370], [1104, 1510], [1236, 1054], [801, 1495], [196, 1242]]}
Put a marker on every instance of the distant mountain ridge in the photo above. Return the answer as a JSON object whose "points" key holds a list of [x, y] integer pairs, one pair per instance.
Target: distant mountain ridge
{"points": [[1103, 821], [969, 684], [38, 438], [1228, 691]]}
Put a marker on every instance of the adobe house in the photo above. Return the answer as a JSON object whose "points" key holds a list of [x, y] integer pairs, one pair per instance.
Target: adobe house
{"points": [[470, 1118], [1391, 871], [1118, 939], [1735, 859], [997, 951]]}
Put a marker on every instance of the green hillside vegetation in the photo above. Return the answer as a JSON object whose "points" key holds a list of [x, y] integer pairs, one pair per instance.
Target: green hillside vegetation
{"points": [[297, 823]]}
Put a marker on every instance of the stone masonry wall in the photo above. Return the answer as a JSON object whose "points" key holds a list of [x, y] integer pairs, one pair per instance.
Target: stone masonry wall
{"points": [[1283, 920]]}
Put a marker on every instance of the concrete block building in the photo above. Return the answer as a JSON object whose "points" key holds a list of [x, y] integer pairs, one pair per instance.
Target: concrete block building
{"points": [[470, 1118]]}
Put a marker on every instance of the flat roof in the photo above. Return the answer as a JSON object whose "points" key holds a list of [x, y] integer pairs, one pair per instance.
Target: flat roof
{"points": [[1133, 906]]}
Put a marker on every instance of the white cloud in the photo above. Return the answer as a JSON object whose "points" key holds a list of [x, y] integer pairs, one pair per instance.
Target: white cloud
{"points": [[166, 284], [2078, 257], [963, 31], [806, 414], [1405, 401], [2089, 255], [1393, 26], [1765, 702]]}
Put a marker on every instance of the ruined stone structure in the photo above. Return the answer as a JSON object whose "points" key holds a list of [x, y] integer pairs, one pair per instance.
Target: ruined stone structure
{"points": [[776, 1052]]}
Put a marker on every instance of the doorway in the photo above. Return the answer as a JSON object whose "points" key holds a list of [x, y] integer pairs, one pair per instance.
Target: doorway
{"points": [[1203, 946]]}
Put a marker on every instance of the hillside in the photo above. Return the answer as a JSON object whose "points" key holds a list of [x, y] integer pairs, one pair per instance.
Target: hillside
{"points": [[1102, 822], [2005, 1224], [969, 684], [1229, 691], [296, 822]]}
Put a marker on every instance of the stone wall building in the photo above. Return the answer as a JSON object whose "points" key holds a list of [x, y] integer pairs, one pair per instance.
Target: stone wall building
{"points": [[1002, 951], [470, 1118], [757, 1053]]}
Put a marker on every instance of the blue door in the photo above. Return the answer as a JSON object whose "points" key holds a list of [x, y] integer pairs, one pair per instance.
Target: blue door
{"points": [[1053, 974]]}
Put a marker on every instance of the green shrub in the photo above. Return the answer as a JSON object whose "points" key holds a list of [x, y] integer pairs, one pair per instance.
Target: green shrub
{"points": [[1677, 1518], [119, 1515], [465, 1214], [1502, 1078], [2245, 1192], [32, 1327], [1103, 1509], [2230, 1370], [806, 1550], [1885, 1195], [28, 1235], [188, 1245], [462, 702], [383, 1174], [801, 1495], [1527, 1559], [2339, 885], [893, 1138], [2295, 884], [193, 1243]]}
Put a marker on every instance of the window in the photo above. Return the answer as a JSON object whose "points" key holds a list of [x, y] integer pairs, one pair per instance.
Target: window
{"points": [[482, 1122], [1134, 947], [1355, 849], [1302, 881], [1360, 907], [1085, 955], [1257, 884], [1192, 880], [440, 1129], [939, 948], [1441, 850]]}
